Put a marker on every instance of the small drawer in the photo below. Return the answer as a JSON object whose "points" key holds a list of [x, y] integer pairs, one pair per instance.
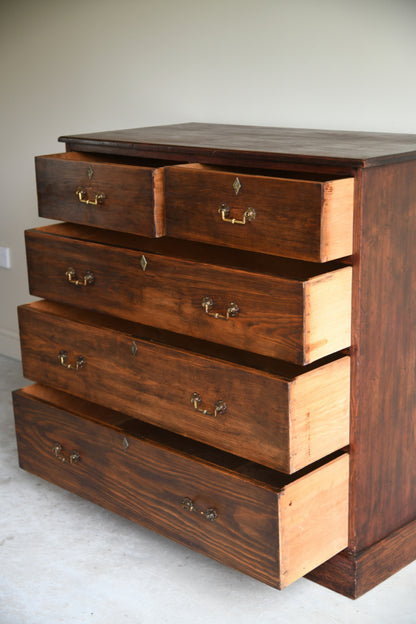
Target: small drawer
{"points": [[282, 416], [294, 311], [294, 218], [94, 190], [269, 526]]}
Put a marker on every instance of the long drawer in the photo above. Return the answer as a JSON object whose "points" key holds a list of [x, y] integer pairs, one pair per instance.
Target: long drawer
{"points": [[94, 190], [271, 527], [295, 218], [280, 415], [294, 311]]}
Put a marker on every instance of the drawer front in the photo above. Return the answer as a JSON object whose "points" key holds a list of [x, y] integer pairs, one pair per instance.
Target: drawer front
{"points": [[300, 219], [297, 320], [282, 422], [84, 188], [275, 531]]}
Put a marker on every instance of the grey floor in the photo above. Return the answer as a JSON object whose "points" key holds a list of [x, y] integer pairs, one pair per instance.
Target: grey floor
{"points": [[63, 559]]}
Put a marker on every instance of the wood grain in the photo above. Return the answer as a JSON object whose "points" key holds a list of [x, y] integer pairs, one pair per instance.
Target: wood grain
{"points": [[337, 219], [281, 421], [132, 200], [148, 481], [169, 294], [303, 219], [159, 202], [384, 356], [327, 313], [383, 350], [354, 574], [383, 401], [147, 484], [322, 498], [319, 412], [252, 145]]}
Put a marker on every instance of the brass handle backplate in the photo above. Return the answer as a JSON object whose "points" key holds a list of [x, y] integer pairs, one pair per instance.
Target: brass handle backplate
{"points": [[209, 514], [219, 408], [82, 196], [80, 362], [73, 458], [231, 310], [86, 280], [248, 215]]}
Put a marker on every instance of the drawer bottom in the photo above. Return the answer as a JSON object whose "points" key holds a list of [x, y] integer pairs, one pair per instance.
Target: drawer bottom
{"points": [[273, 527]]}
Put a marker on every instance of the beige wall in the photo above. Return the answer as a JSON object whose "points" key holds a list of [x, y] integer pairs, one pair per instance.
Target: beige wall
{"points": [[88, 65]]}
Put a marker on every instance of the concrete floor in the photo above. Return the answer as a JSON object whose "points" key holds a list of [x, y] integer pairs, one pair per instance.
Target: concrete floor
{"points": [[63, 559]]}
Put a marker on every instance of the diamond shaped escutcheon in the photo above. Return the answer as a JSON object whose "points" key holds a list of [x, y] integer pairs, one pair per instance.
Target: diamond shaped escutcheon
{"points": [[143, 263], [236, 186]]}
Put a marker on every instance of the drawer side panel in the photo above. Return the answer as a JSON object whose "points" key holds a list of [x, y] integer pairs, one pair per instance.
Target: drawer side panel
{"points": [[313, 519]]}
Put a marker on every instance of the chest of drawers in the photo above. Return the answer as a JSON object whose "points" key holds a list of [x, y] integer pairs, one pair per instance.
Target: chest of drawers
{"points": [[224, 350]]}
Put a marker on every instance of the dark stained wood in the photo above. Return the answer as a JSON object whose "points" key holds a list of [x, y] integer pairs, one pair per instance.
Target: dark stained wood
{"points": [[170, 291], [383, 424], [206, 254], [383, 431], [354, 574], [383, 397], [338, 574], [221, 143], [106, 417], [290, 215], [147, 482], [133, 198], [259, 418]]}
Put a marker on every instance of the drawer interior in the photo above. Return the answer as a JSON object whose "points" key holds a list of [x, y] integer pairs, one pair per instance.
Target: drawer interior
{"points": [[313, 176]]}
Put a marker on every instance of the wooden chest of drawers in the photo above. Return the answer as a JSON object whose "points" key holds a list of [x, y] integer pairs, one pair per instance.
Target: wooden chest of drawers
{"points": [[224, 349]]}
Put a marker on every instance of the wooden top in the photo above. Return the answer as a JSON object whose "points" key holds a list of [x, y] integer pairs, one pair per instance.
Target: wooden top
{"points": [[251, 145]]}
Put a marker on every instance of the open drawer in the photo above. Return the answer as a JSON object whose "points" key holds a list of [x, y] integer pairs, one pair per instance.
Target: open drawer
{"points": [[308, 219], [279, 415], [290, 310], [92, 189], [272, 527]]}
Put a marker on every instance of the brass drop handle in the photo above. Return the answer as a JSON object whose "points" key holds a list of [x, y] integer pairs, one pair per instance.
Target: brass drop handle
{"points": [[73, 458], [248, 215], [209, 514], [231, 310], [82, 196], [86, 280], [80, 362], [219, 408]]}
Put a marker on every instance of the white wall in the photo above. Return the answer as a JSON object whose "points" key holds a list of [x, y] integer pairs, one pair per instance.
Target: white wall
{"points": [[89, 65]]}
